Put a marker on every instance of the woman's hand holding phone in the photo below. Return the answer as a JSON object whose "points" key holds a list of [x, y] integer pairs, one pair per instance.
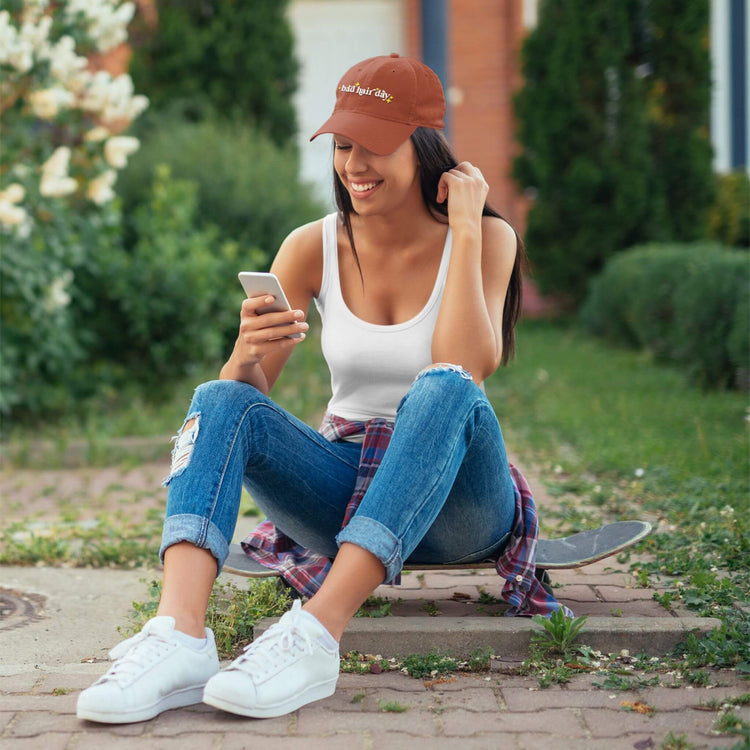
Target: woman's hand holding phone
{"points": [[264, 333], [267, 322]]}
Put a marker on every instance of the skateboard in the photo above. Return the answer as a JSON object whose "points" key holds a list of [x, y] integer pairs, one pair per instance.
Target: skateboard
{"points": [[572, 551]]}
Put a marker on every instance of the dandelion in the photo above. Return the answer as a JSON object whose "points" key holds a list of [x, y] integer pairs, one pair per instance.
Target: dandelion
{"points": [[639, 472]]}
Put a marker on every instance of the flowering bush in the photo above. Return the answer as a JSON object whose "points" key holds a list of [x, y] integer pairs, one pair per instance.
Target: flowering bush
{"points": [[62, 122]]}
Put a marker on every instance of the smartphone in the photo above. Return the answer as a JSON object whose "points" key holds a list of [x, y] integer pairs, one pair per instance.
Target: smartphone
{"points": [[257, 284]]}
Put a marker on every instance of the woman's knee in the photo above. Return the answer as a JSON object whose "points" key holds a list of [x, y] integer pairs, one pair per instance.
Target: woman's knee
{"points": [[224, 392], [439, 380]]}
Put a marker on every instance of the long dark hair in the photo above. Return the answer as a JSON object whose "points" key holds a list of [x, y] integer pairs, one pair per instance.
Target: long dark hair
{"points": [[435, 156]]}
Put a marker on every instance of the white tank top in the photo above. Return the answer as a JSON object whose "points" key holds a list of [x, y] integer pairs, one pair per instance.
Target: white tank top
{"points": [[372, 366]]}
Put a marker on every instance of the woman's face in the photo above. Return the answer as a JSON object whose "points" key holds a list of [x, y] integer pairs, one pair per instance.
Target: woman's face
{"points": [[375, 182]]}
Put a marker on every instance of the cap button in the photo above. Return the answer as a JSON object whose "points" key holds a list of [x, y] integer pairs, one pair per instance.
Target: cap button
{"points": [[395, 54]]}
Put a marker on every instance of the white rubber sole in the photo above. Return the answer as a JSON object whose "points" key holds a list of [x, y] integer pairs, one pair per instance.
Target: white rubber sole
{"points": [[185, 697], [313, 693]]}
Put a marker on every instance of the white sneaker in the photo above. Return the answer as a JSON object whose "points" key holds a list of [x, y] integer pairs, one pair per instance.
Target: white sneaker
{"points": [[152, 672], [284, 669]]}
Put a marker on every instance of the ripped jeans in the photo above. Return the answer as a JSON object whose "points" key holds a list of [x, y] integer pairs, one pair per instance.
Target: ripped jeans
{"points": [[442, 494]]}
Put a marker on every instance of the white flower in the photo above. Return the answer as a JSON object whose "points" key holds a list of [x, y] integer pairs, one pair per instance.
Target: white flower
{"points": [[64, 63], [55, 181], [33, 9], [46, 103], [8, 35], [97, 134], [10, 215], [100, 188], [20, 56], [57, 296], [14, 193], [118, 148], [106, 24], [36, 34], [57, 187], [639, 472], [57, 164]]}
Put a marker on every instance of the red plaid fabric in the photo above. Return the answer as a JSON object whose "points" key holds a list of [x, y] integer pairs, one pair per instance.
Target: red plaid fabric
{"points": [[305, 570]]}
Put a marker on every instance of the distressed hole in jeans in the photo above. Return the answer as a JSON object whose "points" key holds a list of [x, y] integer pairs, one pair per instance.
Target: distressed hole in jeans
{"points": [[184, 442], [444, 367]]}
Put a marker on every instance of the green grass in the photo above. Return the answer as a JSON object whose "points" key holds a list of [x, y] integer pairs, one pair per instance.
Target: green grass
{"points": [[572, 401]]}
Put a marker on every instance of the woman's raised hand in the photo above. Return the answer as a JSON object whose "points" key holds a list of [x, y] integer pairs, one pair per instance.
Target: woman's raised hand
{"points": [[267, 333], [465, 189]]}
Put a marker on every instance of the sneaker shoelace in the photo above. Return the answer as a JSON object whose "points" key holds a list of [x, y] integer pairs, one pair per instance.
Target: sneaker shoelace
{"points": [[135, 653], [277, 646]]}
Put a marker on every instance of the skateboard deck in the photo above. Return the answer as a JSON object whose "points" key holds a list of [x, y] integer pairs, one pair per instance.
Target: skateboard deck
{"points": [[572, 551]]}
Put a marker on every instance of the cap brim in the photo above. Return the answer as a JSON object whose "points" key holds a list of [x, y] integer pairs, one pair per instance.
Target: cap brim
{"points": [[379, 136]]}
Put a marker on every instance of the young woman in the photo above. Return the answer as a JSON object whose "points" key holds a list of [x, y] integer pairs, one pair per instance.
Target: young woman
{"points": [[418, 286]]}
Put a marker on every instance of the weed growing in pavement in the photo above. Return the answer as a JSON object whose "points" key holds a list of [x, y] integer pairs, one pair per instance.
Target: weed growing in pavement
{"points": [[375, 606], [729, 723], [557, 633], [419, 666], [676, 742], [232, 613], [357, 663], [622, 682], [430, 665], [480, 659], [392, 707]]}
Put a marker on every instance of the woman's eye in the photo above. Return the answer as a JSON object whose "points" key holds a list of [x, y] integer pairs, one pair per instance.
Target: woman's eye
{"points": [[342, 146]]}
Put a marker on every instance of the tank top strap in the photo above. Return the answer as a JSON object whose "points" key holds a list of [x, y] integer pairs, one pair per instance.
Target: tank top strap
{"points": [[329, 282]]}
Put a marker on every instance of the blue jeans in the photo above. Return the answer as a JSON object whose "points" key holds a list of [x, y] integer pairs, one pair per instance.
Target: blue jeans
{"points": [[442, 494]]}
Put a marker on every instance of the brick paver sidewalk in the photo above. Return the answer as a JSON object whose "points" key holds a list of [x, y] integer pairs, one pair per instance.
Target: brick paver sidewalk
{"points": [[45, 663]]}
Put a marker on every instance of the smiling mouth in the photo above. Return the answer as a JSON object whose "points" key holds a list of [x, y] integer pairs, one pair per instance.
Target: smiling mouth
{"points": [[363, 187]]}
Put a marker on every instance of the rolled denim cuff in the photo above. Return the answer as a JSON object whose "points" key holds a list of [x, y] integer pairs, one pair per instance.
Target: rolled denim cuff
{"points": [[377, 539], [198, 531]]}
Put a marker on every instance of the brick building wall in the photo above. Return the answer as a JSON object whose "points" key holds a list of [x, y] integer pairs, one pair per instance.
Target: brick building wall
{"points": [[483, 43]]}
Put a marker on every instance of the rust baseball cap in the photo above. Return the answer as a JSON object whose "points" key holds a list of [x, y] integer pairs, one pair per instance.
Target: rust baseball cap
{"points": [[381, 101]]}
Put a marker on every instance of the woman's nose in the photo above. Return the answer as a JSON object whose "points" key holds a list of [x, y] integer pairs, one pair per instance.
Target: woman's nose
{"points": [[357, 161]]}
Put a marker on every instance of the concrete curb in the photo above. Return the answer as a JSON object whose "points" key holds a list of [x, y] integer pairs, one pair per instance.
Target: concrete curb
{"points": [[508, 636]]}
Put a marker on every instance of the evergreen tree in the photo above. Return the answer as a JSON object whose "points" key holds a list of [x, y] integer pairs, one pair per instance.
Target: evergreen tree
{"points": [[677, 45], [232, 55], [596, 153]]}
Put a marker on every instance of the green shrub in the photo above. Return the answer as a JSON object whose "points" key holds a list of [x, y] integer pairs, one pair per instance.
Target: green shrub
{"points": [[729, 218], [687, 304], [247, 186], [171, 302], [235, 56], [42, 342], [613, 124]]}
